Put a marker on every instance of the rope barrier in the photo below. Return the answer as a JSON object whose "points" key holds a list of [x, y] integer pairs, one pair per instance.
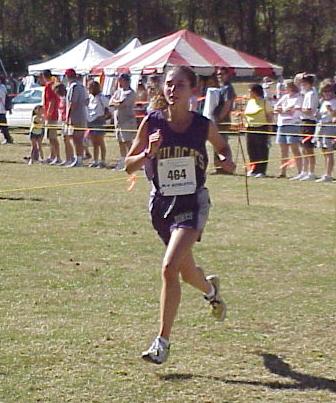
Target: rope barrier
{"points": [[228, 132], [59, 185], [132, 179]]}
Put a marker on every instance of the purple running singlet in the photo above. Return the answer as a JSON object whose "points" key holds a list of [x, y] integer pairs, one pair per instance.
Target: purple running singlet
{"points": [[178, 173]]}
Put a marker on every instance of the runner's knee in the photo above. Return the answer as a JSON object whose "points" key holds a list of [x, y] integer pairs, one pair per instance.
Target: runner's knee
{"points": [[170, 271]]}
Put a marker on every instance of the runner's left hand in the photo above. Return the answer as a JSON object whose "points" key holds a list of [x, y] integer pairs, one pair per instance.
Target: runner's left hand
{"points": [[229, 166]]}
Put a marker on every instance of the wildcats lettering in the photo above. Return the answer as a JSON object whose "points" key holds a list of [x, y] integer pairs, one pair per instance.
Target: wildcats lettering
{"points": [[177, 152]]}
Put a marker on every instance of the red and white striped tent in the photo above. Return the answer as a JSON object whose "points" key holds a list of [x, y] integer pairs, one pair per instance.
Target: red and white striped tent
{"points": [[187, 49]]}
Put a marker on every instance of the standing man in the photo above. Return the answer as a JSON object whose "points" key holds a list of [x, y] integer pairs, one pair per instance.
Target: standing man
{"points": [[50, 105], [124, 118], [223, 110], [3, 120], [76, 114]]}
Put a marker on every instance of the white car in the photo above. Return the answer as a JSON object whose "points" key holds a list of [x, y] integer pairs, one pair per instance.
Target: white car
{"points": [[23, 105]]}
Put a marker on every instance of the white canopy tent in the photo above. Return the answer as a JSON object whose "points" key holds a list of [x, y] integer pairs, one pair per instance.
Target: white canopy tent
{"points": [[81, 57]]}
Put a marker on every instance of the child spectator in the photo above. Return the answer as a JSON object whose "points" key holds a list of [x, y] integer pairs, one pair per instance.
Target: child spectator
{"points": [[288, 109], [96, 120], [36, 134], [327, 114], [308, 120]]}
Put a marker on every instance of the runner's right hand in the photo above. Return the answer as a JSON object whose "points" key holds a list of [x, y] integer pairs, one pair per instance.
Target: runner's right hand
{"points": [[154, 142]]}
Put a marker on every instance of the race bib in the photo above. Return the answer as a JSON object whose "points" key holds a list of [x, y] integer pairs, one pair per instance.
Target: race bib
{"points": [[177, 176]]}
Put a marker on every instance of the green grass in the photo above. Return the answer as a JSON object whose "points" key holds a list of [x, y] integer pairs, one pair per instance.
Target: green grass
{"points": [[80, 283]]}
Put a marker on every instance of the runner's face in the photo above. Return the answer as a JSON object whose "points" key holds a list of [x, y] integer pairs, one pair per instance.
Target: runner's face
{"points": [[177, 89]]}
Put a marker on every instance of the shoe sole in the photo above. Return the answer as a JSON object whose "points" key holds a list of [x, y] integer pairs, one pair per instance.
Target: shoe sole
{"points": [[215, 281], [148, 358]]}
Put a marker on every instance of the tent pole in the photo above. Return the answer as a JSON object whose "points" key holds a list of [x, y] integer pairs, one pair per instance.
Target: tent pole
{"points": [[3, 67]]}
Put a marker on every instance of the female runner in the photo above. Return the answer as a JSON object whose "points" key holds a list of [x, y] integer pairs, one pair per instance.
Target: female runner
{"points": [[172, 146]]}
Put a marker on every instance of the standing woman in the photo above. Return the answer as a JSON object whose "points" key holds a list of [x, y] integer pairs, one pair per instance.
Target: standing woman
{"points": [[96, 120], [288, 109], [258, 113], [172, 146], [326, 128]]}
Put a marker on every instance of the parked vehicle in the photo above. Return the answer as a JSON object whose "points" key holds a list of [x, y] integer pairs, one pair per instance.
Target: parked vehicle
{"points": [[23, 105]]}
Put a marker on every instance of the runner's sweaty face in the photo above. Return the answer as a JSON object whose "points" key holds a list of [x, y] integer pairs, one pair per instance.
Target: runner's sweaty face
{"points": [[177, 89]]}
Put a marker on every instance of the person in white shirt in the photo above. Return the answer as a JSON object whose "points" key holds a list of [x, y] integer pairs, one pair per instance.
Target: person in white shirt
{"points": [[124, 118], [308, 120], [96, 120], [325, 131], [288, 109]]}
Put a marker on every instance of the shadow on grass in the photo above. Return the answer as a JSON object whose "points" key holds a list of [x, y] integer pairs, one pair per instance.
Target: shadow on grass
{"points": [[276, 366], [35, 199]]}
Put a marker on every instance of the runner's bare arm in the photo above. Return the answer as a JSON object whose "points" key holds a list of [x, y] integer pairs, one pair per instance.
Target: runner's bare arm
{"points": [[222, 148], [143, 147]]}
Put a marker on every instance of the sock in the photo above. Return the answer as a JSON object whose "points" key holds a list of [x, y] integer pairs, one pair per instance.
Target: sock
{"points": [[79, 159], [211, 293]]}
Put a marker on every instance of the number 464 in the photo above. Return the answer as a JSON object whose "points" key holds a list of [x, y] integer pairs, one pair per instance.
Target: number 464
{"points": [[177, 174]]}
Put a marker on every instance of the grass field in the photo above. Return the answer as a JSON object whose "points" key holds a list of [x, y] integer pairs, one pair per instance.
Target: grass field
{"points": [[80, 283]]}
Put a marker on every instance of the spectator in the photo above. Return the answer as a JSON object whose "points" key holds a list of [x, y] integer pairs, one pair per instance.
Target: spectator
{"points": [[96, 120], [36, 134], [327, 114], [257, 113], [60, 90], [124, 118], [13, 84], [222, 112], [308, 120], [141, 94], [267, 82], [280, 88], [50, 104], [76, 115], [289, 109], [3, 109], [155, 94]]}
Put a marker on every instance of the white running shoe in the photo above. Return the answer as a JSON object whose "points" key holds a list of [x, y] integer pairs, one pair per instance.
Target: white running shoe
{"points": [[120, 165], [75, 164], [298, 177], [101, 164], [251, 173], [217, 304], [309, 177], [260, 175], [55, 161], [324, 178], [157, 353]]}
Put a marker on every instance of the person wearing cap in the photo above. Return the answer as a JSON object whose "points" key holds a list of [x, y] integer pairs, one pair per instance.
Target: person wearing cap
{"points": [[50, 105], [124, 118], [76, 114], [222, 112]]}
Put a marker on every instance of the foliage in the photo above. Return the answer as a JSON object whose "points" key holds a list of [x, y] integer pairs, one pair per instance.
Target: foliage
{"points": [[296, 34]]}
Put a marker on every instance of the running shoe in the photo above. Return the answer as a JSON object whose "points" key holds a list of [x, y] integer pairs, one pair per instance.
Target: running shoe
{"points": [[101, 164], [218, 307], [157, 353], [75, 164], [325, 178], [55, 161], [309, 177], [93, 164], [298, 177]]}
